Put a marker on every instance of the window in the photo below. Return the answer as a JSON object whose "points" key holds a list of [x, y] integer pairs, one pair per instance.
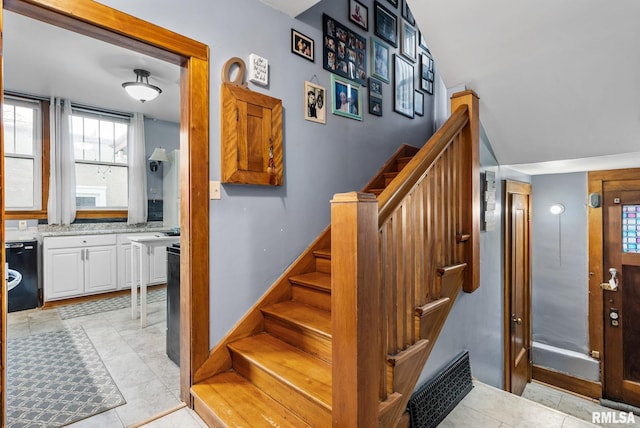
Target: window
{"points": [[100, 151]]}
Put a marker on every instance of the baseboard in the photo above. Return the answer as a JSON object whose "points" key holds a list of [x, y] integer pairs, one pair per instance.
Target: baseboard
{"points": [[577, 385], [51, 304]]}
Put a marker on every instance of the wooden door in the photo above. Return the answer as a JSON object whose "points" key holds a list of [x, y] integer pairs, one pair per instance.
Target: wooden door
{"points": [[517, 287], [621, 306]]}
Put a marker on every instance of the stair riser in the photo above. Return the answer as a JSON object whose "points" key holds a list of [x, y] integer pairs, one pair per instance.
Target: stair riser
{"points": [[388, 180], [311, 296], [323, 265], [207, 415], [401, 163], [303, 406], [310, 342]]}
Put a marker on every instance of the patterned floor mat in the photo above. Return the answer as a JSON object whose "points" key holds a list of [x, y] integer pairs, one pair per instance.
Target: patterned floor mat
{"points": [[56, 378], [109, 304]]}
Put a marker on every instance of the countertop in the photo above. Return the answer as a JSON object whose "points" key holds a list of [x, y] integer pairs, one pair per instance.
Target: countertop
{"points": [[44, 231]]}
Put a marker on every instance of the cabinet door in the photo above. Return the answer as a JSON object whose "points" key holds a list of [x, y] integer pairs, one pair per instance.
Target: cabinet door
{"points": [[158, 265], [63, 273], [100, 269]]}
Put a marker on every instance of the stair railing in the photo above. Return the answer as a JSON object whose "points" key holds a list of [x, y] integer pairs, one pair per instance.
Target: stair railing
{"points": [[388, 259]]}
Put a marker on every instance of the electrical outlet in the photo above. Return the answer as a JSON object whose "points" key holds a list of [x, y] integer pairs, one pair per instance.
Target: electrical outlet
{"points": [[22, 224], [214, 190]]}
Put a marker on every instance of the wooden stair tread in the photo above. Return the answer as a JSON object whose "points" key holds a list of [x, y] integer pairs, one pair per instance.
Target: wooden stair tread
{"points": [[305, 316], [391, 174], [319, 280], [305, 373], [237, 402]]}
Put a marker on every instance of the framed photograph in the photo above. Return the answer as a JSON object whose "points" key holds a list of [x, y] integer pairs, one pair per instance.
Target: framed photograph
{"points": [[406, 13], [346, 98], [422, 41], [359, 14], [394, 3], [408, 41], [379, 60], [426, 67], [315, 97], [418, 102], [375, 87], [375, 105], [344, 52], [403, 87], [427, 86], [385, 24], [302, 45]]}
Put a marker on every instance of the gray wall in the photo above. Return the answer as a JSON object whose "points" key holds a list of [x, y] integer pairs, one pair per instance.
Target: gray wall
{"points": [[560, 288], [475, 322], [256, 232]]}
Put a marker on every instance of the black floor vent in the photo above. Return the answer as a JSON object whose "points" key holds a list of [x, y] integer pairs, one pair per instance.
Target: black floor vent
{"points": [[433, 401]]}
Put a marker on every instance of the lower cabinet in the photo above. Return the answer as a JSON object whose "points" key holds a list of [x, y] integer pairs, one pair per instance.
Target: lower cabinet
{"points": [[79, 265]]}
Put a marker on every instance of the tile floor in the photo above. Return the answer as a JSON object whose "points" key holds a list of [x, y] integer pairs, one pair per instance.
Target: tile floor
{"points": [[539, 407], [149, 381], [135, 358]]}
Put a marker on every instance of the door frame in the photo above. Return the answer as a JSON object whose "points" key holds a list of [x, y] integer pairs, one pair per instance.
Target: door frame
{"points": [[510, 188], [597, 271], [110, 25]]}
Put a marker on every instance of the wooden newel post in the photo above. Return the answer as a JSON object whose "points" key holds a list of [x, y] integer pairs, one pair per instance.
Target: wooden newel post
{"points": [[355, 310], [471, 177]]}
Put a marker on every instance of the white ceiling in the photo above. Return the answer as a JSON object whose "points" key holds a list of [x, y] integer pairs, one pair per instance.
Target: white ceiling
{"points": [[557, 80], [43, 60]]}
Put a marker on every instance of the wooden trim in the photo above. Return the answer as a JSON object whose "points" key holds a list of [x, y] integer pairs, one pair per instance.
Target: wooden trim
{"points": [[57, 303], [101, 214], [510, 188], [104, 23], [3, 285], [587, 388]]}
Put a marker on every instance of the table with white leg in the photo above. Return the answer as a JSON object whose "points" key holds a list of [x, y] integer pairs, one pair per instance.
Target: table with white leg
{"points": [[141, 246]]}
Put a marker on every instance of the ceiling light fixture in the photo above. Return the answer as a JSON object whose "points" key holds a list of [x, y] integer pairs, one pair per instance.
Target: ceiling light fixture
{"points": [[141, 90]]}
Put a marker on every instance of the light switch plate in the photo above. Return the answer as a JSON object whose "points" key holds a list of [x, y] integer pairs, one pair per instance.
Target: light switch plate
{"points": [[214, 189], [22, 224]]}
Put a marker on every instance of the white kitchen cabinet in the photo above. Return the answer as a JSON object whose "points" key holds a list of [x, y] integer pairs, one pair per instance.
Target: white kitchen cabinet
{"points": [[157, 261], [79, 265]]}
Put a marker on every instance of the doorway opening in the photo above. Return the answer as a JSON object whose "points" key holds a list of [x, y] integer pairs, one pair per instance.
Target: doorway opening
{"points": [[104, 23]]}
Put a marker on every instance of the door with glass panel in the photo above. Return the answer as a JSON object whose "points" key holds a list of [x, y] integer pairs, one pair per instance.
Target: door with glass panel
{"points": [[621, 290]]}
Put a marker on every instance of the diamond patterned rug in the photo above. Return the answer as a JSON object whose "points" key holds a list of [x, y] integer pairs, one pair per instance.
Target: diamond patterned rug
{"points": [[109, 304], [56, 378]]}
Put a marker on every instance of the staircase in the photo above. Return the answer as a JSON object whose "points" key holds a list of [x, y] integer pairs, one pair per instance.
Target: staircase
{"points": [[276, 367]]}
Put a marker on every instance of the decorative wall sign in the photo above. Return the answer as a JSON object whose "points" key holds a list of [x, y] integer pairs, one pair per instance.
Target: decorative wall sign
{"points": [[488, 200], [344, 52], [258, 70]]}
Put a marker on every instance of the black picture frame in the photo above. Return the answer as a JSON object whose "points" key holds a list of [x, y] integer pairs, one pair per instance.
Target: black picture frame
{"points": [[427, 86], [394, 3], [385, 24], [375, 105], [422, 42], [344, 52], [359, 14], [375, 86], [406, 13], [418, 103], [403, 86], [302, 45]]}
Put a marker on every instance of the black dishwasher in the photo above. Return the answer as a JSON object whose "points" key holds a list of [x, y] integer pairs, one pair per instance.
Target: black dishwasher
{"points": [[22, 275], [173, 303]]}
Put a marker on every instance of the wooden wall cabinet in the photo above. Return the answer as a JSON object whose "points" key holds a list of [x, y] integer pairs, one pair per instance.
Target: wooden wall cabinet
{"points": [[251, 137]]}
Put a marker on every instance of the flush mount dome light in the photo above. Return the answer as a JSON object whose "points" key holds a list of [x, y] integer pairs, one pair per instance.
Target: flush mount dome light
{"points": [[141, 90]]}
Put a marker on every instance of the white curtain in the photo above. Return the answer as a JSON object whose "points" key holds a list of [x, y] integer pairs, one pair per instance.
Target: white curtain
{"points": [[62, 179], [137, 171]]}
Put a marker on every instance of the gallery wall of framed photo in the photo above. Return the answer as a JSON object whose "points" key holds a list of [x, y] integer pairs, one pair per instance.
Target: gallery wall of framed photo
{"points": [[375, 44]]}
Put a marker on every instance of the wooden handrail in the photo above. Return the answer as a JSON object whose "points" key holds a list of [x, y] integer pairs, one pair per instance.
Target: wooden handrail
{"points": [[390, 198]]}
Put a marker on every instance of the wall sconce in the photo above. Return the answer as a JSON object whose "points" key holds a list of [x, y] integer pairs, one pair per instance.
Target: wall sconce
{"points": [[556, 209], [158, 156]]}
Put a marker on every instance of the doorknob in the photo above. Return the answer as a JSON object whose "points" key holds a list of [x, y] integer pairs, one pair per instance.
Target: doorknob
{"points": [[516, 320]]}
